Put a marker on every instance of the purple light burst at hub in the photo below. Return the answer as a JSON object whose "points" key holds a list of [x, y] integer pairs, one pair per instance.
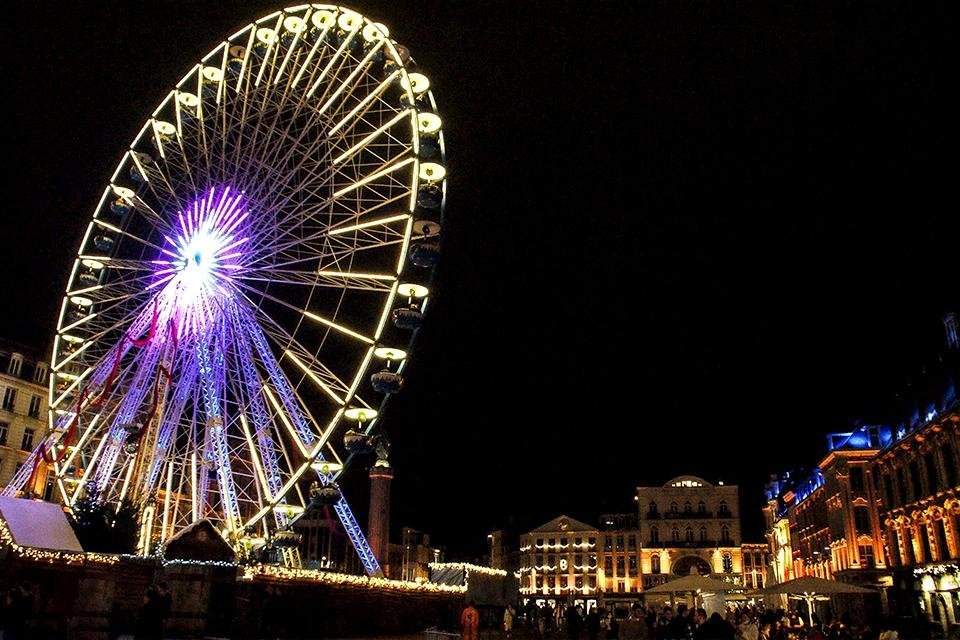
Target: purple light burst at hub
{"points": [[196, 265]]}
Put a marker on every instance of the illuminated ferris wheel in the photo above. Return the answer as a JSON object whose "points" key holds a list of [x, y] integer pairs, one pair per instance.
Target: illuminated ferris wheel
{"points": [[244, 297]]}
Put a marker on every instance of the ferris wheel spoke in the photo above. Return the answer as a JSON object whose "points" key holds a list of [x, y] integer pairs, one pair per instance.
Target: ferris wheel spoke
{"points": [[313, 316], [207, 359]]}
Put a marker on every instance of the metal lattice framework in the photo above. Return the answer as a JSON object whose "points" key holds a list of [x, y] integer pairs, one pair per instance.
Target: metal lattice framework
{"points": [[235, 285]]}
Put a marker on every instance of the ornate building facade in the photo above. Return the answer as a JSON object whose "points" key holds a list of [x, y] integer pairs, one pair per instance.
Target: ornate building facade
{"points": [[559, 561], [23, 411], [919, 485], [687, 524], [883, 506]]}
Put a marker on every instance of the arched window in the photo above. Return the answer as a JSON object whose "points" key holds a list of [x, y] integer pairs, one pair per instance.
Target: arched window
{"points": [[724, 510], [701, 507], [727, 563], [676, 534], [654, 534], [689, 534], [655, 563], [687, 507], [40, 373], [673, 507], [703, 534], [725, 534], [652, 508]]}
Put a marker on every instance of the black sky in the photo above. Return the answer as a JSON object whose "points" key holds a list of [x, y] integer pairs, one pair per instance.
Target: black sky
{"points": [[682, 237]]}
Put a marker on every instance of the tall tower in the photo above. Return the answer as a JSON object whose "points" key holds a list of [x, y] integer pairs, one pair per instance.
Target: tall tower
{"points": [[378, 525]]}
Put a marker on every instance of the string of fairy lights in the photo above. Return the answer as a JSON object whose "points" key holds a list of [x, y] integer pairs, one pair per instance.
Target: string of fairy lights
{"points": [[247, 572]]}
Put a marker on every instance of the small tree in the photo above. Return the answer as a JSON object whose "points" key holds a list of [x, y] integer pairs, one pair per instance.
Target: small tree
{"points": [[102, 528]]}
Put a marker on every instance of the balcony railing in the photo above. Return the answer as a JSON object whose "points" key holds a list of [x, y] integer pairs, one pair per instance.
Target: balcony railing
{"points": [[687, 544], [687, 515]]}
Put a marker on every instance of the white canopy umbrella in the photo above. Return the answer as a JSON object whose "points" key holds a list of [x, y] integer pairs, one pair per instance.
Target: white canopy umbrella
{"points": [[810, 588]]}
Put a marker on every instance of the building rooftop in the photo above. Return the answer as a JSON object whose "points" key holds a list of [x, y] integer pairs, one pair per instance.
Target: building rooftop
{"points": [[563, 523]]}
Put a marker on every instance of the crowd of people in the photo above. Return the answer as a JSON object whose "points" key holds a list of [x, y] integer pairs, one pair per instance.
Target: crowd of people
{"points": [[753, 622]]}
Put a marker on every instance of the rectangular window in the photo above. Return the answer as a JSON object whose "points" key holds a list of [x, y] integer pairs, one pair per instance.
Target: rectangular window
{"points": [[608, 543], [949, 464], [888, 490], [539, 542], [578, 541], [621, 586], [620, 565], [552, 542], [915, 480], [856, 479], [631, 541], [866, 555], [592, 582], [861, 520], [931, 466], [9, 398], [633, 566], [35, 407], [578, 559], [608, 565], [579, 582], [539, 582], [539, 559], [551, 582], [593, 542], [563, 582], [749, 581], [563, 542], [27, 442], [620, 543], [4, 430]]}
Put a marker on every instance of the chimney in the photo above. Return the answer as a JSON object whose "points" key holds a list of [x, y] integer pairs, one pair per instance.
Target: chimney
{"points": [[378, 523], [950, 326]]}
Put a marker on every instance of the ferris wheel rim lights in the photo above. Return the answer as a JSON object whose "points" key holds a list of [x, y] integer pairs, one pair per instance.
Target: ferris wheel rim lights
{"points": [[162, 300]]}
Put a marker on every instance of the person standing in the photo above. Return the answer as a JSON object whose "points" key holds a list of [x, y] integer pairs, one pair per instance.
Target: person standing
{"points": [[508, 620], [574, 623], [593, 624], [635, 627], [470, 621]]}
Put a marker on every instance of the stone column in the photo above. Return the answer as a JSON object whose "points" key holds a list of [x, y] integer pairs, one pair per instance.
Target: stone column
{"points": [[378, 523]]}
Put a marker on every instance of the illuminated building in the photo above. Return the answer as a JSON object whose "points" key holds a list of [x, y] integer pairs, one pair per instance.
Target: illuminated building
{"points": [[23, 411], [920, 495], [883, 506], [689, 523], [558, 562], [754, 564], [686, 524], [779, 539], [620, 557], [831, 515]]}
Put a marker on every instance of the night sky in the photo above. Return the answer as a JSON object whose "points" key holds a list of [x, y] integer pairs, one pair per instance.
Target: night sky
{"points": [[681, 236]]}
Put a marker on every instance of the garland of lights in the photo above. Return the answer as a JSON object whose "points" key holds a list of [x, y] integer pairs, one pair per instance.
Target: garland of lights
{"points": [[312, 575], [49, 556], [467, 567], [936, 570], [248, 572]]}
